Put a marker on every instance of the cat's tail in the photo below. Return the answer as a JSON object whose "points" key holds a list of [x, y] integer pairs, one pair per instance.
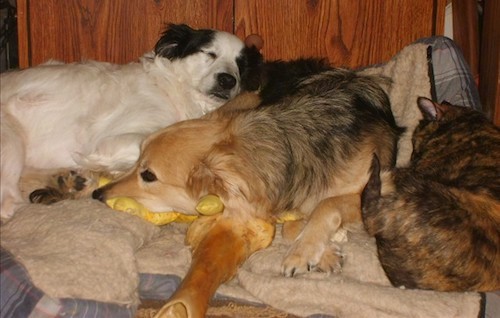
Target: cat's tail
{"points": [[371, 193]]}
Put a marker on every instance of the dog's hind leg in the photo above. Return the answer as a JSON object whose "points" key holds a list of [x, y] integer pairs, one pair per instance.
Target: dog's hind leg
{"points": [[313, 249], [12, 163], [220, 246]]}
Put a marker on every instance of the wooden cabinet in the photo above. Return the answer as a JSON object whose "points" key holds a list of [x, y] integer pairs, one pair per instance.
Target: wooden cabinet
{"points": [[347, 32]]}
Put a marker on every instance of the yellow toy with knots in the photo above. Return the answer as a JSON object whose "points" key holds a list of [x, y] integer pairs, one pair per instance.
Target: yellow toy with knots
{"points": [[208, 205]]}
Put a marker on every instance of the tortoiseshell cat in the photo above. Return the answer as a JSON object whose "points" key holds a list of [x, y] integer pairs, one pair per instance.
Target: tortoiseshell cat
{"points": [[437, 221]]}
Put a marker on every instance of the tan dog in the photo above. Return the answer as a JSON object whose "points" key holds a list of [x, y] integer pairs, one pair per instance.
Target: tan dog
{"points": [[311, 150]]}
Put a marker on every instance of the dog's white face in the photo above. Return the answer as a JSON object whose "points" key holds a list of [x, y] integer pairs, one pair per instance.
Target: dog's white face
{"points": [[212, 61], [213, 70]]}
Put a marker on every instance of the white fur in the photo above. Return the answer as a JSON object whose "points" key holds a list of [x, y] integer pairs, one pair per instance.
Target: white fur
{"points": [[94, 115]]}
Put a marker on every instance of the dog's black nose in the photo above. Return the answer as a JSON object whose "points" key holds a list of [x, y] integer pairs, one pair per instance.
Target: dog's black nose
{"points": [[98, 194], [226, 81]]}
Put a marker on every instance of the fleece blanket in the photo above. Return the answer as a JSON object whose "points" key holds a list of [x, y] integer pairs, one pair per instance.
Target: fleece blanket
{"points": [[82, 250]]}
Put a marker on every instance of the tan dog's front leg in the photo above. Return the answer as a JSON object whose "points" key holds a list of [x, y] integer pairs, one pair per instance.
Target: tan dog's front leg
{"points": [[220, 246], [312, 250]]}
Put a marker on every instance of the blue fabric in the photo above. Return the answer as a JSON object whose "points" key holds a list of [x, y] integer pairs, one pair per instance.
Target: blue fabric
{"points": [[19, 298], [156, 286], [453, 81]]}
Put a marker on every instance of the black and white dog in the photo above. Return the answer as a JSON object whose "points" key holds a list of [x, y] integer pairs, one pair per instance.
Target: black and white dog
{"points": [[92, 116]]}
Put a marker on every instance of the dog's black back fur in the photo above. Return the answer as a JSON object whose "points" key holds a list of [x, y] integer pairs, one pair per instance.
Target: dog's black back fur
{"points": [[250, 64], [280, 78]]}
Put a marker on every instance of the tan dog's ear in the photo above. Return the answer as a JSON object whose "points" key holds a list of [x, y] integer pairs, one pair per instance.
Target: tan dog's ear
{"points": [[219, 173], [203, 180], [223, 172]]}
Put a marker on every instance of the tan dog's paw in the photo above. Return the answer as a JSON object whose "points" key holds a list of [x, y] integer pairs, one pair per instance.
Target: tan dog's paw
{"points": [[65, 184], [175, 310], [302, 258], [331, 260], [70, 181]]}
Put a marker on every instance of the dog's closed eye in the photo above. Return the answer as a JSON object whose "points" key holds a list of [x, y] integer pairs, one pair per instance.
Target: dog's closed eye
{"points": [[211, 54], [148, 176]]}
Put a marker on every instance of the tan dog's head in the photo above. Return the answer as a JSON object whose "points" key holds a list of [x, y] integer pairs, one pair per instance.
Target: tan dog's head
{"points": [[183, 162], [159, 179]]}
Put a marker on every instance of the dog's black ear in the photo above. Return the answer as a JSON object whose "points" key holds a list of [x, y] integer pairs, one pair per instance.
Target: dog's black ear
{"points": [[169, 43], [250, 65], [180, 40]]}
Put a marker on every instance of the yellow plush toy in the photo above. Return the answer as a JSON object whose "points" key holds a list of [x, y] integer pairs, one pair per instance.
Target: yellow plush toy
{"points": [[208, 205]]}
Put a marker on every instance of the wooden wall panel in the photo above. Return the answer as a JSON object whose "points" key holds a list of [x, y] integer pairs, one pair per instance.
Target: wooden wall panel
{"points": [[349, 32], [489, 74], [112, 30], [22, 33], [466, 32]]}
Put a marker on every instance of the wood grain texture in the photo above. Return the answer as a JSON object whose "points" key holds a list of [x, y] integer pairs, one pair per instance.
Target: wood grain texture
{"points": [[22, 31], [466, 32], [348, 32], [112, 30], [489, 81]]}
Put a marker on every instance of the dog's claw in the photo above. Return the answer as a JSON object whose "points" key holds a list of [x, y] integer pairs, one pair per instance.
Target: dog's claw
{"points": [[288, 272], [46, 196], [299, 261]]}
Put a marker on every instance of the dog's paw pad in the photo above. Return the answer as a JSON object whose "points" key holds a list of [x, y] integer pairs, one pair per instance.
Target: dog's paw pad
{"points": [[71, 181]]}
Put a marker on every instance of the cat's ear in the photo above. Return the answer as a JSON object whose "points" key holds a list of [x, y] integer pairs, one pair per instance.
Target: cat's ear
{"points": [[431, 110]]}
